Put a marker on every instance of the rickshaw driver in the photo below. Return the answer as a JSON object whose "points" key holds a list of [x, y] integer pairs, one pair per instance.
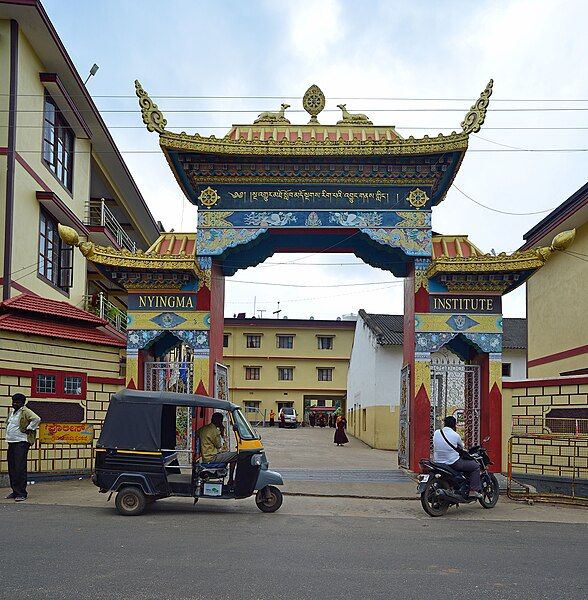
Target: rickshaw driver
{"points": [[211, 442]]}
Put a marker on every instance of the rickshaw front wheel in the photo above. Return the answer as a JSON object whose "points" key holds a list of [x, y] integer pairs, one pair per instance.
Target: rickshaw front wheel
{"points": [[269, 499], [130, 501]]}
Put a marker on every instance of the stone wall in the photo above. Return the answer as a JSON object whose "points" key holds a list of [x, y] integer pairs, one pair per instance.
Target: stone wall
{"points": [[19, 355], [546, 420]]}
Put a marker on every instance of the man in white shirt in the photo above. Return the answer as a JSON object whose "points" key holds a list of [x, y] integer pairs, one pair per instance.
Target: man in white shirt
{"points": [[21, 427], [445, 453]]}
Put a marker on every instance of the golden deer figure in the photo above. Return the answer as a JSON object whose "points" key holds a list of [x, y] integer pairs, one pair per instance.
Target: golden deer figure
{"points": [[273, 117], [352, 118]]}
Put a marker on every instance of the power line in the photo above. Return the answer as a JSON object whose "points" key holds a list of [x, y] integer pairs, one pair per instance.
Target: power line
{"points": [[297, 110], [432, 128], [298, 97], [470, 150], [297, 285], [372, 291], [504, 212]]}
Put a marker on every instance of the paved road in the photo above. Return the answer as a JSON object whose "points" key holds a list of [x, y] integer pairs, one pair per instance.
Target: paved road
{"points": [[222, 551]]}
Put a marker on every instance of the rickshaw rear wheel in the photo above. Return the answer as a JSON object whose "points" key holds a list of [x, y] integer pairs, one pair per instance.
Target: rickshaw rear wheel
{"points": [[130, 501], [269, 499]]}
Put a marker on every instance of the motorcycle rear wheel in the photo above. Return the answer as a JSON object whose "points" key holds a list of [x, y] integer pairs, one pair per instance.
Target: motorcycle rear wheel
{"points": [[490, 491], [431, 503]]}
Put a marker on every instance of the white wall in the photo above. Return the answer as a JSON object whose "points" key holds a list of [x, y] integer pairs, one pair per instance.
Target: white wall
{"points": [[373, 378], [518, 362]]}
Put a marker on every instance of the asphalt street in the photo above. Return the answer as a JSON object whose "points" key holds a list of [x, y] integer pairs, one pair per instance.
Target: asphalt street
{"points": [[231, 550]]}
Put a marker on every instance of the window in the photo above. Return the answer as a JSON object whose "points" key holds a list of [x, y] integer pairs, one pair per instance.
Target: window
{"points": [[325, 342], [58, 143], [252, 405], [364, 418], [321, 402], [58, 384], [285, 373], [72, 385], [226, 340], [55, 256], [253, 341], [285, 341], [506, 369], [325, 374], [252, 373]]}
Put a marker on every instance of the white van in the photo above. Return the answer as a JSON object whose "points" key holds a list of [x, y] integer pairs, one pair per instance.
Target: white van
{"points": [[290, 417]]}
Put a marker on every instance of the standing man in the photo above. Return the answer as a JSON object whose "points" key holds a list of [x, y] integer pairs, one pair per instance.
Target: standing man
{"points": [[21, 429]]}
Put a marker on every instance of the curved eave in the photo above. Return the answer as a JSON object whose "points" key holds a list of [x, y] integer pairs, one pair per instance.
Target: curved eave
{"points": [[182, 142], [141, 262], [173, 145], [486, 265]]}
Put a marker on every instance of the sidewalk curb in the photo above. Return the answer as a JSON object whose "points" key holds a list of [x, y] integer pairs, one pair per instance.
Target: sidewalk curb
{"points": [[314, 495]]}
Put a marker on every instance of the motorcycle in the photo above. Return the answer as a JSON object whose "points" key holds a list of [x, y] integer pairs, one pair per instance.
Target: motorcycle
{"points": [[440, 486]]}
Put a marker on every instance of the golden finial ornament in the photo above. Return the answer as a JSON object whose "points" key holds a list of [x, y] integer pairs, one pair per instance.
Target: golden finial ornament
{"points": [[313, 102], [562, 241], [70, 236], [152, 116], [477, 113]]}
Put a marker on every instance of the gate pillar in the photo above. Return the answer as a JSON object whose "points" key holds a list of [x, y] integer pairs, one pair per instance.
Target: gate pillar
{"points": [[491, 404], [418, 362]]}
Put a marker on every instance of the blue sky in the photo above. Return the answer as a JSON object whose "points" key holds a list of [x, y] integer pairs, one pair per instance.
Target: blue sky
{"points": [[533, 49]]}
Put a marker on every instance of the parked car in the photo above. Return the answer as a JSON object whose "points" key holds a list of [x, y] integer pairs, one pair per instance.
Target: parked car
{"points": [[290, 417]]}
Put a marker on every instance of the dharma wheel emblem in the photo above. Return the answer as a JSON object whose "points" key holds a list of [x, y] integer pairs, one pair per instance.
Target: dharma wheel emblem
{"points": [[208, 197], [417, 198], [313, 102]]}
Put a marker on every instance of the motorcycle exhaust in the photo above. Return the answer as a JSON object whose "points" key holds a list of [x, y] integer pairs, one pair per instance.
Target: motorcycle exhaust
{"points": [[449, 495]]}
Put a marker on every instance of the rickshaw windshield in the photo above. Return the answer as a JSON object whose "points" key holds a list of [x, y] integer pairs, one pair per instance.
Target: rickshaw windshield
{"points": [[243, 427]]}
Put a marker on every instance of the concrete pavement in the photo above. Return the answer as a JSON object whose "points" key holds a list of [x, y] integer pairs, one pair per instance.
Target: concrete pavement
{"points": [[312, 464]]}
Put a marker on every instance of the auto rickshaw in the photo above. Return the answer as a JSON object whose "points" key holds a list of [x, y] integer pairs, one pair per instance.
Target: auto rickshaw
{"points": [[136, 456]]}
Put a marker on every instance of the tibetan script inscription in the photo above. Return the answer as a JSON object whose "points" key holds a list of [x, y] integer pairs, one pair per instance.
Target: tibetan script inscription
{"points": [[465, 304], [316, 197]]}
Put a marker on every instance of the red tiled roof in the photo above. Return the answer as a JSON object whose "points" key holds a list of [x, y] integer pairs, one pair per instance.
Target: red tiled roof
{"points": [[74, 331], [52, 308]]}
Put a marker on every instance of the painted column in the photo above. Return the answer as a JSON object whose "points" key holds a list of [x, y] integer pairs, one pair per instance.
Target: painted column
{"points": [[416, 299], [494, 404]]}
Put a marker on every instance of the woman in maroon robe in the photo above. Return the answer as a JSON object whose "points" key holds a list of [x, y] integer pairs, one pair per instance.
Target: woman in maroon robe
{"points": [[340, 435]]}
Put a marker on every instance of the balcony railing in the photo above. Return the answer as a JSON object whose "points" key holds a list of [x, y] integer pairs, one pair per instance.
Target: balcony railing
{"points": [[100, 306], [98, 214]]}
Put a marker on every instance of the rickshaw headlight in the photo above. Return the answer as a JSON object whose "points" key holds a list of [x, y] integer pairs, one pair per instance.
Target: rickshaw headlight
{"points": [[256, 460]]}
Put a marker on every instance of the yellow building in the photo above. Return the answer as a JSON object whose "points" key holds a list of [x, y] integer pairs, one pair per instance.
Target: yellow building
{"points": [[273, 363], [557, 295], [58, 164], [554, 397]]}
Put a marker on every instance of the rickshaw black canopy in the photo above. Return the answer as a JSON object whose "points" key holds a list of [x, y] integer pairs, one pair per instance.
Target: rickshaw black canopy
{"points": [[140, 420]]}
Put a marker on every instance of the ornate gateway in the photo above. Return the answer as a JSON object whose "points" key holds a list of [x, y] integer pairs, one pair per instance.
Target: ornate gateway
{"points": [[351, 186]]}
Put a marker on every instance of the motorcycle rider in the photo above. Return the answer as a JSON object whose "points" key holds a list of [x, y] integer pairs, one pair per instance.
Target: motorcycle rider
{"points": [[445, 453]]}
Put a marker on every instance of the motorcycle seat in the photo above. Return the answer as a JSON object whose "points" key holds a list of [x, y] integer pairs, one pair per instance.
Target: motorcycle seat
{"points": [[447, 468]]}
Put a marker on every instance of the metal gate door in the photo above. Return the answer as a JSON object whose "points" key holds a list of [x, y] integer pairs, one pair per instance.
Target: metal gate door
{"points": [[403, 437], [455, 390]]}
